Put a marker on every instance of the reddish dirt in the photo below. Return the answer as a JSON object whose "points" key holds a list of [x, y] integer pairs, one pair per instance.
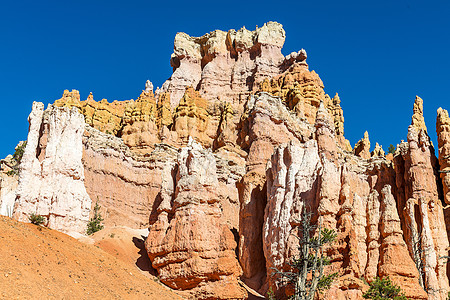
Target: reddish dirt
{"points": [[36, 262], [127, 245]]}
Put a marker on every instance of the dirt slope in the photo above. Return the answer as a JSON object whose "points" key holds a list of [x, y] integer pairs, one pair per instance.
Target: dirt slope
{"points": [[37, 262]]}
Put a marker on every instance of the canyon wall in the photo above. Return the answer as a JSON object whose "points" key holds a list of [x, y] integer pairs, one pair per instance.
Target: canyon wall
{"points": [[220, 163]]}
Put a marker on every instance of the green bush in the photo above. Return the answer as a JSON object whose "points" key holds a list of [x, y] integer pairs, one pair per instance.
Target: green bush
{"points": [[382, 289], [36, 219], [19, 152], [94, 224]]}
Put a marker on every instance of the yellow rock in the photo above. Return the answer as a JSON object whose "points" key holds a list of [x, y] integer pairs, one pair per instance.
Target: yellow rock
{"points": [[191, 117], [417, 119]]}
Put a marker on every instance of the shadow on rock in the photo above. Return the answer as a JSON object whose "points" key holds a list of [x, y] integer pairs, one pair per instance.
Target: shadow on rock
{"points": [[143, 262]]}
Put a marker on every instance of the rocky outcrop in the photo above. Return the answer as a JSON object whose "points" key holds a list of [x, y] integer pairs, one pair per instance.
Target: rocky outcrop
{"points": [[101, 115], [51, 178], [8, 184], [189, 244], [266, 124], [225, 64], [125, 185], [191, 118], [139, 130], [443, 133], [417, 183], [352, 196], [378, 151], [303, 91], [362, 147]]}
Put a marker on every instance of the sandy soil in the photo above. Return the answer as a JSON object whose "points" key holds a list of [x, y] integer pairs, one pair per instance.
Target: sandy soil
{"points": [[36, 262]]}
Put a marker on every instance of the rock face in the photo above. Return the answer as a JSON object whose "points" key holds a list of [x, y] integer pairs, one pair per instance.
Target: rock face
{"points": [[443, 132], [268, 123], [190, 244], [8, 185], [362, 147], [220, 163], [353, 196], [225, 64], [51, 180], [125, 185], [420, 187]]}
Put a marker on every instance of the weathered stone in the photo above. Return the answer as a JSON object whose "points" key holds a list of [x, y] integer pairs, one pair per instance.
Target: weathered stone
{"points": [[443, 132], [268, 123], [362, 147], [191, 118], [364, 213], [189, 244], [126, 186], [225, 64], [104, 116], [51, 179], [378, 151], [418, 120], [8, 184], [416, 168]]}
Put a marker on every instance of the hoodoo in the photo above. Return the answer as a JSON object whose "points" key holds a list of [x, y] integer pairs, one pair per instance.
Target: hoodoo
{"points": [[221, 161]]}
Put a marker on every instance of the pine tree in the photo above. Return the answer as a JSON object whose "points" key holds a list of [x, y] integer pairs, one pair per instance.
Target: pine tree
{"points": [[307, 270], [391, 149], [94, 224], [383, 289]]}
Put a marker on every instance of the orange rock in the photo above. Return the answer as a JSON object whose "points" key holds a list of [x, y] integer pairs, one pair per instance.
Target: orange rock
{"points": [[189, 244], [416, 180], [362, 147], [443, 132]]}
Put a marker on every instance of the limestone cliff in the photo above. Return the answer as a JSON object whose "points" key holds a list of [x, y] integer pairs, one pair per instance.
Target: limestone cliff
{"points": [[220, 163]]}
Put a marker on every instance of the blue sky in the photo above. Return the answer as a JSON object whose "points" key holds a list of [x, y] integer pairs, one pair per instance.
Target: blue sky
{"points": [[378, 55]]}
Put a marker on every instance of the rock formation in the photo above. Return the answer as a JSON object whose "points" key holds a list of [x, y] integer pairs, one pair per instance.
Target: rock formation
{"points": [[378, 151], [352, 196], [190, 245], [416, 170], [225, 64], [443, 132], [220, 163], [362, 147], [8, 185], [125, 185], [51, 178]]}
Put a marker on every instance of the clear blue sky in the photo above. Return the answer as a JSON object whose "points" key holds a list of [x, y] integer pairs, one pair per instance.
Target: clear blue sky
{"points": [[378, 55]]}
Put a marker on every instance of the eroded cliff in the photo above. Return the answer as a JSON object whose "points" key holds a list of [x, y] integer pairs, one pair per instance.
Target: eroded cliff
{"points": [[220, 163]]}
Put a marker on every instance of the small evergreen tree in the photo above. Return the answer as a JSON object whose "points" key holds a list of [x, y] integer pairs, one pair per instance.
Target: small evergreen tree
{"points": [[94, 224], [391, 149], [20, 149], [306, 275], [382, 289]]}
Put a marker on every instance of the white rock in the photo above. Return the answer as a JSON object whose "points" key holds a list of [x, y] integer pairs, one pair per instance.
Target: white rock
{"points": [[54, 187]]}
